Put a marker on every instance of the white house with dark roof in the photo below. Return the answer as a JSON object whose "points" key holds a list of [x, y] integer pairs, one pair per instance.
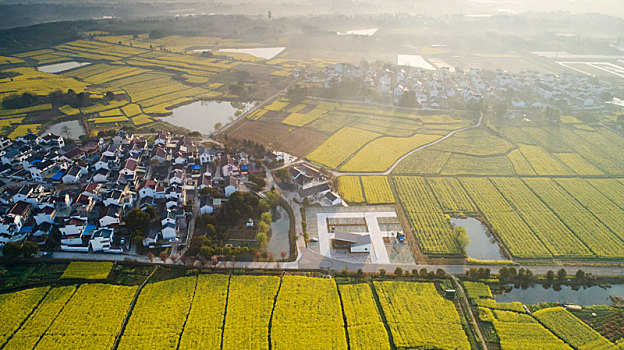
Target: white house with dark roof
{"points": [[206, 205], [147, 188], [162, 138], [101, 175], [129, 168], [112, 216], [73, 175], [331, 199], [46, 214], [102, 163], [206, 155], [51, 140], [231, 185], [176, 177]]}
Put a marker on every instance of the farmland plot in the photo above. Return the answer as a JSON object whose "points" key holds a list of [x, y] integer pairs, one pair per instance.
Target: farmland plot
{"points": [[583, 223], [380, 154], [173, 298], [89, 320], [307, 310], [429, 224], [341, 146], [572, 330], [249, 306], [519, 239], [364, 324], [377, 190], [559, 240], [419, 317]]}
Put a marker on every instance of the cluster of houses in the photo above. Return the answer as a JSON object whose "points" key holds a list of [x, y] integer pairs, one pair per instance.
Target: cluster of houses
{"points": [[307, 182], [80, 195], [437, 88]]}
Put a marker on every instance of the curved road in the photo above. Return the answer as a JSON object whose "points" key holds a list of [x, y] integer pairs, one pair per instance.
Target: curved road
{"points": [[387, 172]]}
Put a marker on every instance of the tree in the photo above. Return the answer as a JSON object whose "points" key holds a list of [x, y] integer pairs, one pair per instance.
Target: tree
{"points": [[398, 271], [579, 277], [150, 256], [259, 183], [266, 217], [382, 272], [550, 276], [562, 276], [261, 238], [210, 192], [137, 222], [503, 273], [282, 174], [150, 211], [472, 274], [423, 272], [263, 227], [461, 237], [263, 206], [211, 231], [528, 275], [408, 99], [296, 94], [273, 197], [30, 249], [12, 250], [440, 273]]}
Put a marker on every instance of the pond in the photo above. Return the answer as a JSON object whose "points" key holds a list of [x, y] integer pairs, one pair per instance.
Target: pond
{"points": [[414, 61], [61, 67], [279, 235], [71, 128], [584, 296], [263, 52], [483, 245], [202, 116]]}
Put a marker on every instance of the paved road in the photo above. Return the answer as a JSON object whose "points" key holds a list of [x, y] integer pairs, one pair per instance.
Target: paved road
{"points": [[310, 260]]}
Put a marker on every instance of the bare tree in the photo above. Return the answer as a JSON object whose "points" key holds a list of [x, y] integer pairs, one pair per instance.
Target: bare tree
{"points": [[150, 256]]}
